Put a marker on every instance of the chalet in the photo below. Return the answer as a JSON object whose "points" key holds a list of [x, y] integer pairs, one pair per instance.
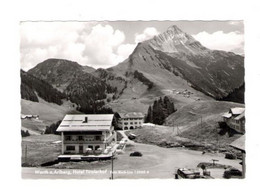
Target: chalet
{"points": [[130, 120], [235, 119], [87, 134]]}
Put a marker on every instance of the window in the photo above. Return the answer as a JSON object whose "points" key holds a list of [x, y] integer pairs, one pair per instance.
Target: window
{"points": [[140, 123], [80, 138], [135, 122], [68, 138], [96, 147], [81, 148], [131, 123], [98, 138], [125, 123], [70, 148]]}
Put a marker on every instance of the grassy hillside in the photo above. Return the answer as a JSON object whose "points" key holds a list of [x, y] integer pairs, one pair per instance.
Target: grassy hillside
{"points": [[48, 113], [193, 125], [40, 149], [207, 111]]}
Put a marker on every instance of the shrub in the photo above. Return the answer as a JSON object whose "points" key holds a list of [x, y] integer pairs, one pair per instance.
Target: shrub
{"points": [[25, 133]]}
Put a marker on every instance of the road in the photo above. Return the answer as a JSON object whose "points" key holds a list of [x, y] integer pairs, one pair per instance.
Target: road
{"points": [[156, 162]]}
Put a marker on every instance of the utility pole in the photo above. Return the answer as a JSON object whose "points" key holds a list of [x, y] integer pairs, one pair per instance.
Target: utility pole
{"points": [[217, 137], [25, 154], [178, 131], [112, 167], [201, 121]]}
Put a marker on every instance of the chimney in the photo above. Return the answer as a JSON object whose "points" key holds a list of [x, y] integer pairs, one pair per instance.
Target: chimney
{"points": [[86, 120]]}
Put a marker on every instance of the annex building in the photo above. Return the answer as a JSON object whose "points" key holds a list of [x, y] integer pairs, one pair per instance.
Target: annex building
{"points": [[130, 120], [235, 119]]}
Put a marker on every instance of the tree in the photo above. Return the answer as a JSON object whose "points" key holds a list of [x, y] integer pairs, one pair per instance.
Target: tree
{"points": [[149, 117], [115, 121], [52, 128], [25, 133], [160, 110], [168, 105], [157, 112], [203, 167]]}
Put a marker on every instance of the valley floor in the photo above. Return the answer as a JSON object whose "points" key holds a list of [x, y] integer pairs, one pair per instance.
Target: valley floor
{"points": [[156, 162]]}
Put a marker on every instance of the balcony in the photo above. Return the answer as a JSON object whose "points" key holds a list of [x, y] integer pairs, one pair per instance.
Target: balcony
{"points": [[83, 141], [94, 141]]}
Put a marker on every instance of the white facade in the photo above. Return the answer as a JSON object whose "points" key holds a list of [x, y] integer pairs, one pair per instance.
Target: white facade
{"points": [[87, 134], [235, 119], [131, 120]]}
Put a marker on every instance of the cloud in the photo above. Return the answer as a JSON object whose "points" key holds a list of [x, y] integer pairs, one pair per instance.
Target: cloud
{"points": [[101, 45], [42, 40], [125, 50], [147, 34], [86, 43], [232, 41]]}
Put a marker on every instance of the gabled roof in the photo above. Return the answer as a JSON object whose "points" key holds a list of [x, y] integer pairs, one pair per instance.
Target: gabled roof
{"points": [[95, 122], [237, 110], [241, 116], [239, 143], [131, 115], [227, 115]]}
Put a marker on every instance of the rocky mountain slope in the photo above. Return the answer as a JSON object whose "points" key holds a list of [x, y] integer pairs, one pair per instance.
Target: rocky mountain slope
{"points": [[171, 63], [79, 86], [57, 72], [215, 73]]}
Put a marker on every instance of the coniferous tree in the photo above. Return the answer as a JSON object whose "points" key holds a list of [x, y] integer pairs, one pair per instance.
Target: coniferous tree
{"points": [[160, 110], [149, 118]]}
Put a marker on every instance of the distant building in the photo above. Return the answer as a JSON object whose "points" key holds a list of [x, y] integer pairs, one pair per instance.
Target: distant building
{"points": [[29, 116], [87, 134], [239, 144], [235, 119], [130, 120]]}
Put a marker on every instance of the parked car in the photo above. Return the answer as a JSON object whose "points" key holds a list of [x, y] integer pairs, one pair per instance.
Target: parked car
{"points": [[232, 172], [230, 156], [139, 154], [184, 173], [131, 136]]}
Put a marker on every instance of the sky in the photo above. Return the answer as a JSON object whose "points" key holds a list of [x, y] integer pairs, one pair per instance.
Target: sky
{"points": [[107, 43]]}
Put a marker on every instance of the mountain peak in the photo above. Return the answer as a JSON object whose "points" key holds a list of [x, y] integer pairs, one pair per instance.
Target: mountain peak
{"points": [[174, 40], [175, 29]]}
